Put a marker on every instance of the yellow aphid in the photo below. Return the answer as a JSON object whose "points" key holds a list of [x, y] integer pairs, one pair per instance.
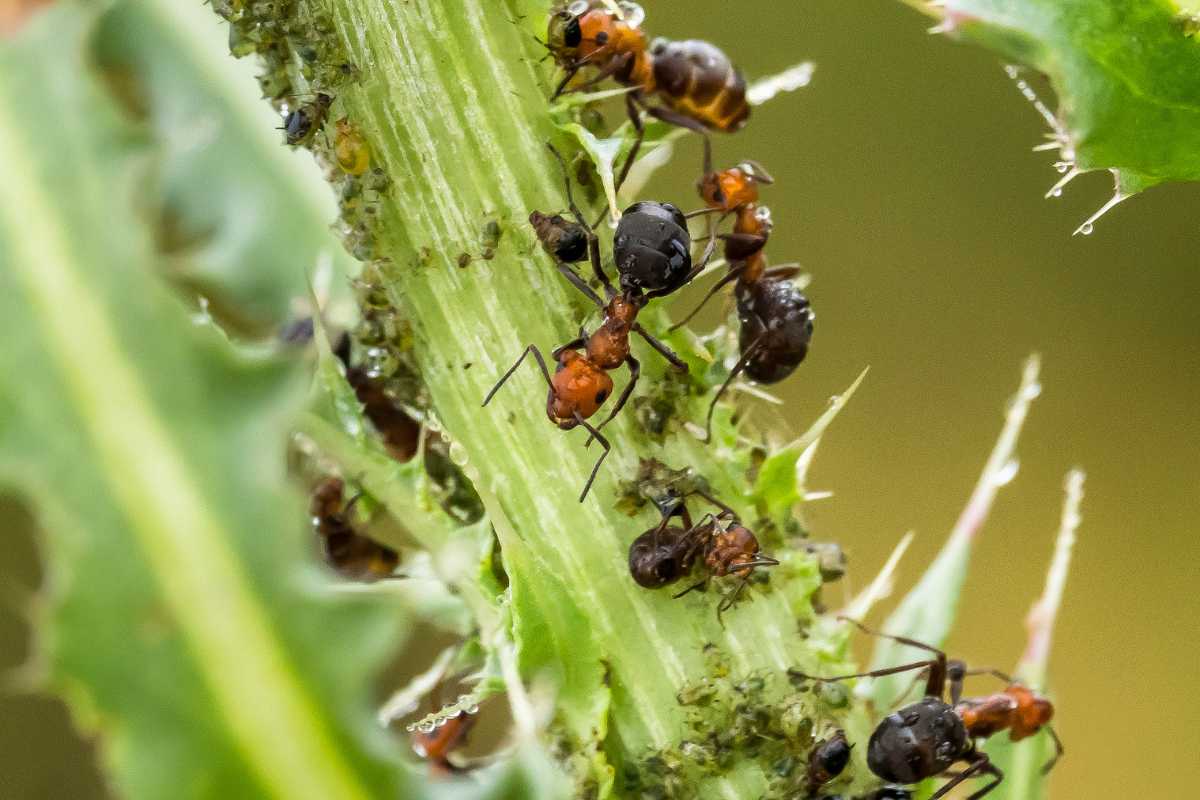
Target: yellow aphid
{"points": [[351, 149]]}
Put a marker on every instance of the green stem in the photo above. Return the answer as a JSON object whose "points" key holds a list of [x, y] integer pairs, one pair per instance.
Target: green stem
{"points": [[453, 102]]}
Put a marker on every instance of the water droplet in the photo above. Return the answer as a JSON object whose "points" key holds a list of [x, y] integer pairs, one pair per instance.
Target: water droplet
{"points": [[1056, 193], [426, 727], [1032, 392], [1007, 472], [472, 709], [1062, 167], [1086, 229]]}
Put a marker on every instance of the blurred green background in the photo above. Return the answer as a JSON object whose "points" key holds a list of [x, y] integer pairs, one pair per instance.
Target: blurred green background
{"points": [[905, 184]]}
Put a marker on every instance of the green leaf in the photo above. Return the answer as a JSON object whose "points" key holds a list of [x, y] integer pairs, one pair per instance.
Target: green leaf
{"points": [[1127, 76], [780, 483], [247, 218], [179, 621], [927, 613], [1022, 762]]}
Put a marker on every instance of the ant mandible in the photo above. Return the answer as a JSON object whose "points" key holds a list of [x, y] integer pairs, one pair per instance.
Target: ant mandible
{"points": [[698, 85], [353, 555], [926, 738], [776, 320], [667, 553], [653, 250]]}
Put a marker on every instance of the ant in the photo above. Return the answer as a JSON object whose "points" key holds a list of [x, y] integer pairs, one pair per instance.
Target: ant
{"points": [[698, 85], [653, 250], [827, 760], [400, 432], [667, 553], [776, 320], [436, 745], [350, 553], [302, 121], [926, 738]]}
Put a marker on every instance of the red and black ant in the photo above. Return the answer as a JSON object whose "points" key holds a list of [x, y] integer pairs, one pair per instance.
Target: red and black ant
{"points": [[699, 87], [827, 760], [927, 738], [653, 249], [436, 745], [401, 433], [667, 553], [353, 555], [776, 320]]}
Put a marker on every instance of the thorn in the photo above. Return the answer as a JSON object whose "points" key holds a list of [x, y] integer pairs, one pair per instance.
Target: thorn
{"points": [[945, 26], [1089, 224], [1071, 173], [1037, 148]]}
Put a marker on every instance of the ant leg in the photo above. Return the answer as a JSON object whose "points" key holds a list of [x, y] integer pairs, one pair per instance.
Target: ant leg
{"points": [[635, 371], [995, 673], [939, 667], [737, 370], [603, 443], [716, 503], [979, 765], [593, 240], [576, 280], [783, 272], [901, 639], [691, 588], [571, 72], [875, 673], [574, 344], [675, 118], [662, 349], [728, 278], [635, 117], [536, 354], [1059, 751]]}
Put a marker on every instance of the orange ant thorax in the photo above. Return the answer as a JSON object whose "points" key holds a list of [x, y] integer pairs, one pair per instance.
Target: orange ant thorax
{"points": [[608, 347], [1018, 709], [730, 547]]}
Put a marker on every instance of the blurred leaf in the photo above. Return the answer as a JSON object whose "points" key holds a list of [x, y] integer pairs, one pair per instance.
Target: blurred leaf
{"points": [[604, 153], [178, 621], [1022, 762], [555, 641], [248, 219], [1126, 73], [927, 612]]}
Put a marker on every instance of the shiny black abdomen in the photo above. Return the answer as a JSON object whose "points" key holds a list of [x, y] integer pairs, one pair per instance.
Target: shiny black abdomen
{"points": [[779, 312], [917, 742], [652, 247]]}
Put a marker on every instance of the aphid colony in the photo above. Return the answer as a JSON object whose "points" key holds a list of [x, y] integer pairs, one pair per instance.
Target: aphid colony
{"points": [[693, 85]]}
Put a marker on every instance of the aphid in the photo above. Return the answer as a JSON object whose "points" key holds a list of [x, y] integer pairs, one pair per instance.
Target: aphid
{"points": [[353, 555], [302, 121], [667, 553], [697, 85], [400, 432], [827, 760], [436, 745], [581, 384], [563, 240], [351, 150], [926, 738], [775, 318]]}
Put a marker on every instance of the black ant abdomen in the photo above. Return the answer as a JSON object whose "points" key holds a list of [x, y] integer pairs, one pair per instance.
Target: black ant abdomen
{"points": [[827, 760], [777, 316], [660, 557], [917, 742], [652, 248]]}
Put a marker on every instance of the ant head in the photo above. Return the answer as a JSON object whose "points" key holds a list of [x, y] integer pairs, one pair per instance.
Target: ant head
{"points": [[917, 742], [730, 189], [564, 33]]}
